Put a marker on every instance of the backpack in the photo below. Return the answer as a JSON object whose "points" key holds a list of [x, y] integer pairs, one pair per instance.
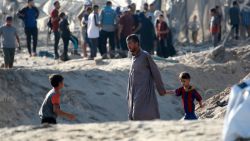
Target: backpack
{"points": [[49, 24], [108, 16]]}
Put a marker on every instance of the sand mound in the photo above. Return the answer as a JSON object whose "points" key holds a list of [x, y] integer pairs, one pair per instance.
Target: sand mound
{"points": [[96, 90], [123, 131], [217, 105]]}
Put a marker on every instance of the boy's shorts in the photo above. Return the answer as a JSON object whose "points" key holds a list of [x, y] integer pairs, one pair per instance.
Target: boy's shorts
{"points": [[48, 121], [9, 54], [190, 116]]}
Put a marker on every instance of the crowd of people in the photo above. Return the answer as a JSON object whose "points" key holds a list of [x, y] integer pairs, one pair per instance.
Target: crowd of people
{"points": [[99, 26], [239, 20], [115, 25]]}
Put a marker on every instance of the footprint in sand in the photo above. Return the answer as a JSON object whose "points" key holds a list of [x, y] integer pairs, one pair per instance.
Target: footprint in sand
{"points": [[100, 93]]}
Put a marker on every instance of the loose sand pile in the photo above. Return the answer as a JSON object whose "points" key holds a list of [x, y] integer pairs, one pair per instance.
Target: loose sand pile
{"points": [[122, 131], [96, 91]]}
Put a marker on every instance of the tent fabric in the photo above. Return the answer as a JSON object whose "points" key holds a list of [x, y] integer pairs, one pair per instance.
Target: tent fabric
{"points": [[236, 124]]}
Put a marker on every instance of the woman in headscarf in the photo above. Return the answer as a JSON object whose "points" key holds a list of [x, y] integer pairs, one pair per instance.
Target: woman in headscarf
{"points": [[147, 34]]}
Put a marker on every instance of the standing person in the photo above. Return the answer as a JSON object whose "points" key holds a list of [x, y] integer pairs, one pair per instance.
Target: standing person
{"points": [[29, 15], [143, 77], [55, 19], [145, 8], [65, 34], [137, 20], [150, 13], [214, 27], [108, 20], [220, 18], [126, 25], [50, 108], [162, 30], [194, 26], [147, 34], [83, 18], [93, 32], [234, 14], [189, 94], [245, 21], [9, 38]]}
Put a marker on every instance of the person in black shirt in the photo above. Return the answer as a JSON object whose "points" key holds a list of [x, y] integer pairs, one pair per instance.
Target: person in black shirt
{"points": [[65, 34]]}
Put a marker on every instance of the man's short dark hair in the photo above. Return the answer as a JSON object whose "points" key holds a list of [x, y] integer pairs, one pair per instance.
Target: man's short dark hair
{"points": [[134, 38], [213, 10], [184, 75], [55, 80], [56, 2], [235, 3], [62, 15], [95, 7], [108, 3], [89, 8], [29, 1], [9, 18]]}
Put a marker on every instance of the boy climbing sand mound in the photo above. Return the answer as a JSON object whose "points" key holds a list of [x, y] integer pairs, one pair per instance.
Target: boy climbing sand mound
{"points": [[50, 108], [188, 94]]}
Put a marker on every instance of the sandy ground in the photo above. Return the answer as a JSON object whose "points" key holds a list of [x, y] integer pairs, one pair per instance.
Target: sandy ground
{"points": [[205, 130]]}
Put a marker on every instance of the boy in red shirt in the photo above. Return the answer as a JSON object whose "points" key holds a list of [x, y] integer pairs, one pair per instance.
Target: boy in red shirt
{"points": [[50, 108], [188, 94]]}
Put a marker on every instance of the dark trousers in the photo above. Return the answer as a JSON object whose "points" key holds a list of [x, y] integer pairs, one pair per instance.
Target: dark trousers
{"points": [[220, 34], [124, 48], [103, 40], [48, 121], [162, 49], [9, 54], [57, 39], [31, 33], [235, 30], [66, 45], [94, 44], [123, 44]]}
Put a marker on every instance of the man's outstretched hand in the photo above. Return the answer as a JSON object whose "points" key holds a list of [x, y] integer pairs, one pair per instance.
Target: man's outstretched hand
{"points": [[170, 92]]}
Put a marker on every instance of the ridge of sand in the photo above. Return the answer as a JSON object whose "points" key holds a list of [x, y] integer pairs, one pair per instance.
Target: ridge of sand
{"points": [[96, 92], [205, 130]]}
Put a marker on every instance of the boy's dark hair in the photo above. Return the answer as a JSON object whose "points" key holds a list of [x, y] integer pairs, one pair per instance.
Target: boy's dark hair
{"points": [[56, 2], [89, 8], [235, 3], [109, 3], [95, 7], [9, 18], [55, 79], [62, 15], [184, 75], [133, 38], [213, 10]]}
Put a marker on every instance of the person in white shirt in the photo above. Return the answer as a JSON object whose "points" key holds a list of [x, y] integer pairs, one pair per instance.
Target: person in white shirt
{"points": [[93, 32], [194, 26]]}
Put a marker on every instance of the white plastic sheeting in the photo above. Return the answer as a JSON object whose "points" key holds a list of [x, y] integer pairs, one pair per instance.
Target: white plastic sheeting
{"points": [[237, 121]]}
